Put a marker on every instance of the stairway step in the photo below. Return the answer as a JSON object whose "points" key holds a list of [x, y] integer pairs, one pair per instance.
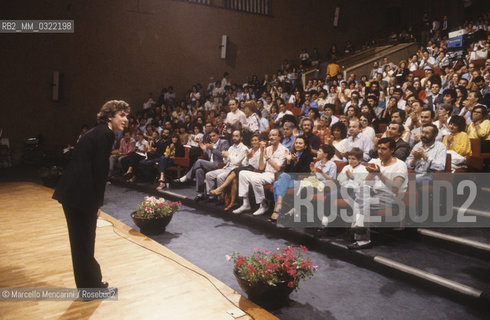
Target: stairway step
{"points": [[441, 281], [454, 239]]}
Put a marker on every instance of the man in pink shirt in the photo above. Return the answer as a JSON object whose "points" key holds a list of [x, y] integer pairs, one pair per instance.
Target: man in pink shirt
{"points": [[126, 146]]}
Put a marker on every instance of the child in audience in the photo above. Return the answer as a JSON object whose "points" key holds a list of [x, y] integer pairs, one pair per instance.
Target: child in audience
{"points": [[353, 175]]}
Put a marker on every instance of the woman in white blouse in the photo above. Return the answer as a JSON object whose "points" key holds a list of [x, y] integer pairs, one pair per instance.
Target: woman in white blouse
{"points": [[365, 120], [250, 163], [339, 135]]}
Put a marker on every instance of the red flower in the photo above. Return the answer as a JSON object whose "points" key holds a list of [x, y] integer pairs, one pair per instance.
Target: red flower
{"points": [[257, 249], [292, 271], [290, 284], [240, 261], [303, 248], [251, 269]]}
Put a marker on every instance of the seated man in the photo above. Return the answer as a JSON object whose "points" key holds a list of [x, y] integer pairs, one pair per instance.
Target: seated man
{"points": [[212, 157], [271, 161], [126, 147], [428, 155], [402, 149], [356, 139], [387, 180], [233, 157]]}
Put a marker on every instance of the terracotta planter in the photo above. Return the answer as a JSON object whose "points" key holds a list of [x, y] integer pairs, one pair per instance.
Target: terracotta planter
{"points": [[263, 291], [151, 226]]}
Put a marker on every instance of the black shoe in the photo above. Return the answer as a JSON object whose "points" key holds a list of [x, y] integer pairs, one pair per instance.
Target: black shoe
{"points": [[211, 199], [199, 197], [356, 246]]}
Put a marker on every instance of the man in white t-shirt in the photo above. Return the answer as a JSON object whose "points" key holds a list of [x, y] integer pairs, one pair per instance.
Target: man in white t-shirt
{"points": [[271, 161], [387, 180]]}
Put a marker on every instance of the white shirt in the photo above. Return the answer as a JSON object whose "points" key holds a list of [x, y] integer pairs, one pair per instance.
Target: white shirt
{"points": [[340, 146], [444, 131], [253, 123], [398, 169], [279, 156], [141, 148], [369, 132], [235, 117], [362, 142], [282, 114], [359, 172], [254, 161], [236, 154]]}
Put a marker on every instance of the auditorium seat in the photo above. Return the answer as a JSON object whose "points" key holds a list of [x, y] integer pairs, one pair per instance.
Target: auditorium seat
{"points": [[181, 163]]}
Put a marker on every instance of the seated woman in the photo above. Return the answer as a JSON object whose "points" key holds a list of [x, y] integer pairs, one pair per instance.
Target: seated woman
{"points": [[194, 138], [173, 148], [131, 161], [323, 130], [296, 162], [251, 162], [457, 142], [366, 123], [480, 127], [338, 138], [323, 169]]}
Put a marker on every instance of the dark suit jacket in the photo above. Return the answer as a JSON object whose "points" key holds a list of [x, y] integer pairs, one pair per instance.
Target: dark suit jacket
{"points": [[402, 151], [433, 104], [217, 156], [84, 178], [303, 164]]}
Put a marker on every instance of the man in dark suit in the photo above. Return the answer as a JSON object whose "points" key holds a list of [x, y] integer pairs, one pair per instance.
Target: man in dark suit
{"points": [[212, 158], [81, 190], [402, 148], [435, 98]]}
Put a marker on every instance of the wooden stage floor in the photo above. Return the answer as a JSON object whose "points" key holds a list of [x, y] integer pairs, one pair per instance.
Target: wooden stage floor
{"points": [[35, 253]]}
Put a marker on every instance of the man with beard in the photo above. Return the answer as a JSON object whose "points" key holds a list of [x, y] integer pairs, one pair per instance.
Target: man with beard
{"points": [[313, 140], [146, 165], [428, 155], [232, 157]]}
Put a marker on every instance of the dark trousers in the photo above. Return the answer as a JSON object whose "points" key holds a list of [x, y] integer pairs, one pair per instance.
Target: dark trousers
{"points": [[81, 229]]}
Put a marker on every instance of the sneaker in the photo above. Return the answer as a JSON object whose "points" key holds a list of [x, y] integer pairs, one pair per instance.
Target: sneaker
{"points": [[260, 211], [242, 209]]}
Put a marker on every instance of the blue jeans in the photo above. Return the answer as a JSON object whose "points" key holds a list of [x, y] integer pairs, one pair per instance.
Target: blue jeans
{"points": [[164, 163], [283, 183]]}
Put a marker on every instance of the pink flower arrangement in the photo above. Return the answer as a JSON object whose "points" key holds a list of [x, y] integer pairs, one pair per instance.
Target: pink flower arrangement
{"points": [[152, 208], [263, 266]]}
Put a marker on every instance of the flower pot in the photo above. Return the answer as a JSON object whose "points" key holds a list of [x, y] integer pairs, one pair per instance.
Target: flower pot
{"points": [[264, 291], [151, 226]]}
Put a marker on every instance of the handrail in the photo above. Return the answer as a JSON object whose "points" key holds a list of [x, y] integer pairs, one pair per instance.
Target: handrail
{"points": [[303, 77]]}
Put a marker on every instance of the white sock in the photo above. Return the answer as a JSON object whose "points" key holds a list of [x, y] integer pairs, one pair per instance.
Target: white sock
{"points": [[264, 204], [246, 202], [183, 179]]}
